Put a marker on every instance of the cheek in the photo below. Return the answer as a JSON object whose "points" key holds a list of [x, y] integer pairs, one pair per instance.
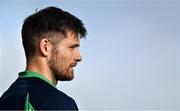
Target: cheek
{"points": [[66, 54]]}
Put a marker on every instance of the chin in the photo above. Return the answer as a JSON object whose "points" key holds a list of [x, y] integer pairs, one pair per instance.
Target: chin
{"points": [[65, 77]]}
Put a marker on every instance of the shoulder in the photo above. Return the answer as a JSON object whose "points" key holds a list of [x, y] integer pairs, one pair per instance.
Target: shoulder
{"points": [[14, 97], [42, 96], [45, 96], [60, 100]]}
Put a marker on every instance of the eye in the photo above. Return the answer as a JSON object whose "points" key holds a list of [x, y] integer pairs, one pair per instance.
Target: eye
{"points": [[71, 47]]}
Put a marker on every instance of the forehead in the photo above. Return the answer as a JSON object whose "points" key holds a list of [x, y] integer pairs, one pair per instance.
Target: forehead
{"points": [[70, 38]]}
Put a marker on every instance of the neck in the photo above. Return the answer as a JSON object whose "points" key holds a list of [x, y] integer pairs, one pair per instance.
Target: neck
{"points": [[40, 66]]}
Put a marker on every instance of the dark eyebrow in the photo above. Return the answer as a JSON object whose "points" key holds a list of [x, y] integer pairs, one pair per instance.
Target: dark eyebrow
{"points": [[75, 45]]}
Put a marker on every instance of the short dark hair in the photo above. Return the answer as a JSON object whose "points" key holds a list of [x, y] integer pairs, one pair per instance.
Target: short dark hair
{"points": [[50, 20]]}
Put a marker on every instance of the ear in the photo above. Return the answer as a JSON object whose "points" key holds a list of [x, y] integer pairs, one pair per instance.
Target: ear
{"points": [[45, 47]]}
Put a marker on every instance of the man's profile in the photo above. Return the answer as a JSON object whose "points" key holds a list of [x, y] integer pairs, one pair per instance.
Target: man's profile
{"points": [[51, 38]]}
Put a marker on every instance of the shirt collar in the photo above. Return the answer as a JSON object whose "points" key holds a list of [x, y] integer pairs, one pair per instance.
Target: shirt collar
{"points": [[26, 74]]}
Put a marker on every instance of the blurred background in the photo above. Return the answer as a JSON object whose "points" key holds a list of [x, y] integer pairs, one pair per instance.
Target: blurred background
{"points": [[131, 57]]}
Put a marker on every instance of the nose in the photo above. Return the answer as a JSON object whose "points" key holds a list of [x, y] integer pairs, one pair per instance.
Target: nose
{"points": [[78, 57]]}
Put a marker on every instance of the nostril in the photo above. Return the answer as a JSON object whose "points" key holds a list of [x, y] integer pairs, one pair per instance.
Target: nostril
{"points": [[79, 59]]}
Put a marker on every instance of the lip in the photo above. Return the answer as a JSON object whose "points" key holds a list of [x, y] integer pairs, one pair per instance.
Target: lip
{"points": [[72, 68], [73, 65]]}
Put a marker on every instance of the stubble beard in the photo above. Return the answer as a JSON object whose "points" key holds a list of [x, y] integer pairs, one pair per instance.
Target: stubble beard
{"points": [[59, 67]]}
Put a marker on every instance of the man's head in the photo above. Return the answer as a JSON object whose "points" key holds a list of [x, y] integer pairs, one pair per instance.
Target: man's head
{"points": [[54, 35]]}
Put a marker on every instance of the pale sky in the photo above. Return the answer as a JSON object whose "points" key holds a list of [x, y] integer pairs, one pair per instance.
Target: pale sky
{"points": [[131, 57]]}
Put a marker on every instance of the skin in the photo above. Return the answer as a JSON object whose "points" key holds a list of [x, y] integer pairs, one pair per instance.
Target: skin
{"points": [[56, 62]]}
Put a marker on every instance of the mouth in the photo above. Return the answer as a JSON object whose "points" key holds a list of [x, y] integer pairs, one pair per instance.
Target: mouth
{"points": [[71, 68], [73, 65]]}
